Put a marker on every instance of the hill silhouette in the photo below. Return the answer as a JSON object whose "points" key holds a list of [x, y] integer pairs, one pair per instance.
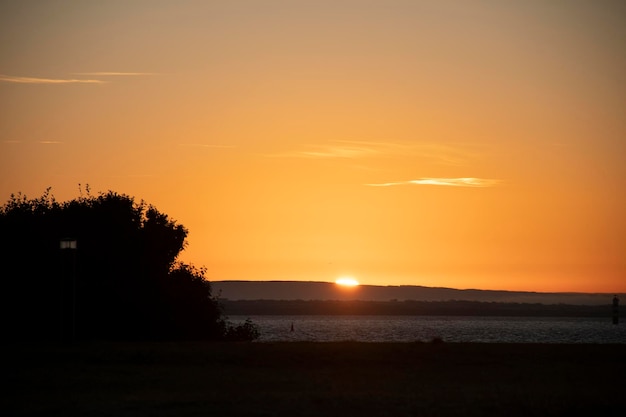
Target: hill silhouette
{"points": [[307, 290]]}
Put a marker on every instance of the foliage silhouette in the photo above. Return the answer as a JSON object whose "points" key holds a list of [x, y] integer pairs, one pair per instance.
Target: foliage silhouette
{"points": [[122, 282], [244, 332]]}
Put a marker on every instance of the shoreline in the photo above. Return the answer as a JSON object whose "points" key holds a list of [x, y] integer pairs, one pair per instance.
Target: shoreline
{"points": [[457, 308]]}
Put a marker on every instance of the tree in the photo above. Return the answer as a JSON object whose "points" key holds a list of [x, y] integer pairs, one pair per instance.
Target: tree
{"points": [[121, 282]]}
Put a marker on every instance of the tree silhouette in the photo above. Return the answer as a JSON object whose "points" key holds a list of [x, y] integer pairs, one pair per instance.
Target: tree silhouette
{"points": [[122, 281]]}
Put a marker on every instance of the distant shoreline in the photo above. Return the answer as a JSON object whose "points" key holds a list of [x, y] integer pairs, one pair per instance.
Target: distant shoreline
{"points": [[308, 290]]}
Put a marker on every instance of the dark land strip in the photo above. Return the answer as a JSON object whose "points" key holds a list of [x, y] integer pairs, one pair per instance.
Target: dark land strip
{"points": [[312, 379], [411, 307]]}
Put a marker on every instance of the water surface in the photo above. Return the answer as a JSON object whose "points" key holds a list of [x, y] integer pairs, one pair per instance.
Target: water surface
{"points": [[426, 328]]}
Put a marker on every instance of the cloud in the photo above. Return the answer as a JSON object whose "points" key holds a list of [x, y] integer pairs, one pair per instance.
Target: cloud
{"points": [[34, 80], [338, 149], [207, 145], [448, 182], [456, 155], [41, 142], [453, 155], [338, 152], [445, 154], [114, 74]]}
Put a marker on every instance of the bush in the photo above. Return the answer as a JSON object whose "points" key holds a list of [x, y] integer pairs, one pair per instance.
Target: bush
{"points": [[120, 282], [245, 332]]}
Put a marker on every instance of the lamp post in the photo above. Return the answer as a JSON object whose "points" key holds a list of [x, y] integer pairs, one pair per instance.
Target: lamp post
{"points": [[69, 244]]}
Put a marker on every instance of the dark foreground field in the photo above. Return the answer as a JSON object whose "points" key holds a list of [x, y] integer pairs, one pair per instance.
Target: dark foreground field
{"points": [[313, 379]]}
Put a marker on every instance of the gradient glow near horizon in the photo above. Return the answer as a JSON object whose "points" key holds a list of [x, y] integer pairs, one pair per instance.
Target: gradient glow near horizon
{"points": [[466, 144]]}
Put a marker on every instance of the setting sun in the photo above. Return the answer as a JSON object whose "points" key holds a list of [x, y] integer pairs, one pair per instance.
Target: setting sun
{"points": [[347, 282]]}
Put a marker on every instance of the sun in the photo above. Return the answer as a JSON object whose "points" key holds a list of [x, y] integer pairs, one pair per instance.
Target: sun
{"points": [[347, 282]]}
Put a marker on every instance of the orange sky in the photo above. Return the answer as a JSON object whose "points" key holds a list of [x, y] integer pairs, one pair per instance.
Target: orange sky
{"points": [[467, 144]]}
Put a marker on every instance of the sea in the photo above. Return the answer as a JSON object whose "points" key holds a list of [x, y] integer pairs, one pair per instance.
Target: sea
{"points": [[473, 329]]}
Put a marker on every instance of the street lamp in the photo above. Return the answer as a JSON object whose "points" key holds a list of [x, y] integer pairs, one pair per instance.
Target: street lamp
{"points": [[69, 244]]}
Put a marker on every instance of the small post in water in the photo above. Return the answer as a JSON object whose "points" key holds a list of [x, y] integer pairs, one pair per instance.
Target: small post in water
{"points": [[615, 310]]}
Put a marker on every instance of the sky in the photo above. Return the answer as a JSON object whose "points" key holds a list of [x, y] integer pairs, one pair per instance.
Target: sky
{"points": [[463, 144]]}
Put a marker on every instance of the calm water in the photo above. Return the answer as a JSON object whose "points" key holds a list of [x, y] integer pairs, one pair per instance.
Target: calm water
{"points": [[450, 329]]}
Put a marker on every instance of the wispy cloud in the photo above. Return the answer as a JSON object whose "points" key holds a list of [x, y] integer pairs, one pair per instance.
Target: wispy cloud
{"points": [[38, 80], [41, 142], [336, 149], [207, 145], [449, 182], [347, 149], [35, 80], [339, 151], [114, 74], [132, 176], [445, 154]]}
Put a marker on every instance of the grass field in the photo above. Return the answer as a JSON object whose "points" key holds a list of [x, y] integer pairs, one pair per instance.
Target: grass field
{"points": [[313, 379]]}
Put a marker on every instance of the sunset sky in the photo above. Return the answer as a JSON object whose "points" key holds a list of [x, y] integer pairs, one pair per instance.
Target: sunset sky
{"points": [[466, 144]]}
